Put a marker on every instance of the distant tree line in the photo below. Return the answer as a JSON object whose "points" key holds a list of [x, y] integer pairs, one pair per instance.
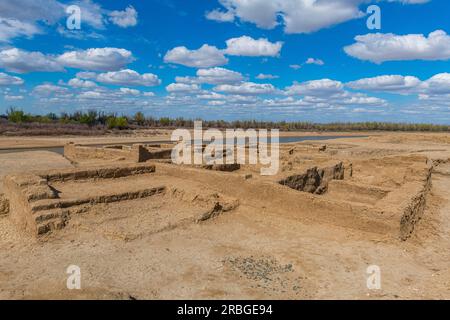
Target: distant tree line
{"points": [[89, 118], [98, 119]]}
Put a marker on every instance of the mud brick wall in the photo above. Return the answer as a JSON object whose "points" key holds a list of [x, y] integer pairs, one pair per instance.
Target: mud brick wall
{"points": [[315, 180], [414, 210], [75, 152], [136, 153], [144, 153], [97, 173], [4, 205], [22, 191], [34, 205], [406, 204]]}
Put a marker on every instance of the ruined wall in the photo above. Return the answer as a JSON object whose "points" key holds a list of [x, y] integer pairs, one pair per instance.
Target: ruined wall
{"points": [[136, 153], [35, 206], [315, 180], [78, 153], [22, 191], [144, 153], [406, 204], [97, 173], [410, 208], [355, 192], [287, 202], [4, 205], [395, 213], [414, 210]]}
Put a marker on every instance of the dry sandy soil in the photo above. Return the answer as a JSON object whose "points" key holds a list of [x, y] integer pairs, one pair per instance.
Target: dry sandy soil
{"points": [[160, 247]]}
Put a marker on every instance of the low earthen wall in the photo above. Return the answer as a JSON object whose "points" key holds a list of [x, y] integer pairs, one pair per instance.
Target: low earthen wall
{"points": [[136, 153], [78, 153]]}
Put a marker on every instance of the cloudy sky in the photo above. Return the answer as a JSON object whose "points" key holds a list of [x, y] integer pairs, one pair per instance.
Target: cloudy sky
{"points": [[308, 60]]}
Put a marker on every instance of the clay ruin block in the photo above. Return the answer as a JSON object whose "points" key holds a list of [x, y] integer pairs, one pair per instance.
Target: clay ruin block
{"points": [[333, 173], [218, 209], [27, 180], [98, 173], [315, 180], [405, 206], [223, 167], [34, 206], [118, 147], [50, 216], [4, 205], [160, 145], [143, 169], [39, 192], [79, 153], [153, 152]]}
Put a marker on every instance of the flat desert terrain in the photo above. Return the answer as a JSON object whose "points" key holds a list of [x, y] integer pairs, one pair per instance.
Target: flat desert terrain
{"points": [[156, 230]]}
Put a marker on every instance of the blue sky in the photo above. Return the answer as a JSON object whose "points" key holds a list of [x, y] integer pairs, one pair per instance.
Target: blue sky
{"points": [[307, 60]]}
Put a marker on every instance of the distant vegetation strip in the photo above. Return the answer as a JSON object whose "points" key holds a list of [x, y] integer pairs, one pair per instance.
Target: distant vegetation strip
{"points": [[17, 122]]}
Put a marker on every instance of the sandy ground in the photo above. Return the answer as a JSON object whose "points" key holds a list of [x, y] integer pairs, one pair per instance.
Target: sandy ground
{"points": [[147, 249]]}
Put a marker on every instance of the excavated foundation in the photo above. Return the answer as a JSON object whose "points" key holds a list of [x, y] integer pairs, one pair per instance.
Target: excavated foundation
{"points": [[135, 153], [383, 195], [315, 180], [47, 201]]}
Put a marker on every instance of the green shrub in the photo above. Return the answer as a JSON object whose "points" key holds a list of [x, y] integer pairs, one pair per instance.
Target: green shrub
{"points": [[89, 118], [117, 122], [17, 116], [139, 118]]}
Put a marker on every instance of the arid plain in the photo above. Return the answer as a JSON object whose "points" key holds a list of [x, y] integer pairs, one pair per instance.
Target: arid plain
{"points": [[140, 227]]}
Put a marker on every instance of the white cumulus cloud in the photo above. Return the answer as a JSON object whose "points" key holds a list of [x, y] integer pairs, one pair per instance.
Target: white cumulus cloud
{"points": [[129, 77], [32, 10], [438, 84], [97, 59], [182, 87], [24, 18], [380, 47], [50, 89], [386, 83], [204, 57], [318, 62], [322, 87], [263, 76], [215, 75], [129, 91], [8, 80], [20, 61], [297, 16], [247, 46], [13, 28], [79, 83], [124, 19], [220, 16], [245, 88]]}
